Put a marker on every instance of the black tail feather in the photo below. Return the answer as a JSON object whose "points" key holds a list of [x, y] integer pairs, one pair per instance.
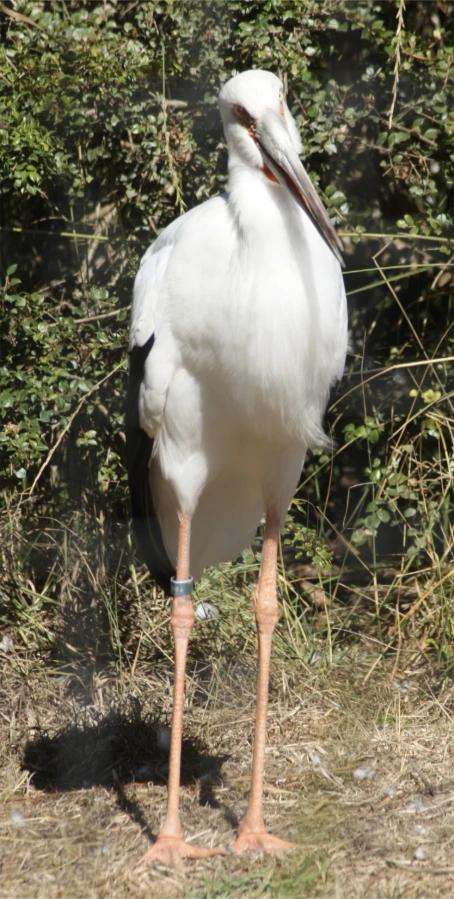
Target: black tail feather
{"points": [[139, 447]]}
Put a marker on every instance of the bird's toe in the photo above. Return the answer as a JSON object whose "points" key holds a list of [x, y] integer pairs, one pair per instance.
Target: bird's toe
{"points": [[261, 842]]}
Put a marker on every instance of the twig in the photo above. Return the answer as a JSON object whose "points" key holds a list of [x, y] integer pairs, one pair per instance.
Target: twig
{"points": [[73, 234], [416, 133], [168, 152], [69, 423], [408, 274], [20, 18], [383, 236], [399, 35], [388, 369], [441, 272], [409, 323], [430, 789], [415, 56], [406, 864], [92, 318], [402, 310], [418, 603], [172, 104], [411, 267], [95, 318]]}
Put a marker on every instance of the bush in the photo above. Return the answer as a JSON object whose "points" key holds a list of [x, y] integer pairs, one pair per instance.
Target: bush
{"points": [[108, 129]]}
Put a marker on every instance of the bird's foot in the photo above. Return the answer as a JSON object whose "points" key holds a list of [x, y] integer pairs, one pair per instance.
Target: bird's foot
{"points": [[171, 851], [261, 842]]}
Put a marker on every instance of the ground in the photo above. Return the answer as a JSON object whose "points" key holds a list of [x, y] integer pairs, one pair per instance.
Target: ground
{"points": [[359, 774]]}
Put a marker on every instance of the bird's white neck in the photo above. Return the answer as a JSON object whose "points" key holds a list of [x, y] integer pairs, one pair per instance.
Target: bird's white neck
{"points": [[259, 206]]}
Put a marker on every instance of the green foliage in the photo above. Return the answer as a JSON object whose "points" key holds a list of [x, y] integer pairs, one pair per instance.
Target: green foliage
{"points": [[304, 542], [108, 123]]}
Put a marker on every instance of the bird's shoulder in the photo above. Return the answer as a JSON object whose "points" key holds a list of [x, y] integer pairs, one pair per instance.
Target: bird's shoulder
{"points": [[203, 222]]}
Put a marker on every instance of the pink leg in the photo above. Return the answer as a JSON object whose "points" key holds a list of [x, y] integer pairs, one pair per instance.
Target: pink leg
{"points": [[170, 847], [251, 832]]}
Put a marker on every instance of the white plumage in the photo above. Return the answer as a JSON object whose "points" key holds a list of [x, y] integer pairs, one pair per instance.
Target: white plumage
{"points": [[248, 309], [238, 330]]}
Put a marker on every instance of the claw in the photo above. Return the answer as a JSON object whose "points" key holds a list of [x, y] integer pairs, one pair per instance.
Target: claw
{"points": [[262, 842], [171, 851]]}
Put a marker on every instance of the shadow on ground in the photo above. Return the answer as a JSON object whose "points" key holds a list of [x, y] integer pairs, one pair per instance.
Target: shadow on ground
{"points": [[119, 748]]}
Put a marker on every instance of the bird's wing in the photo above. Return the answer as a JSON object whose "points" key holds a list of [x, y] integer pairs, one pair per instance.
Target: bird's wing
{"points": [[154, 358], [147, 290], [328, 285], [139, 444]]}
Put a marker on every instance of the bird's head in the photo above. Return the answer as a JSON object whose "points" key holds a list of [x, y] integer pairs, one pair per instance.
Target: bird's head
{"points": [[243, 101], [261, 133]]}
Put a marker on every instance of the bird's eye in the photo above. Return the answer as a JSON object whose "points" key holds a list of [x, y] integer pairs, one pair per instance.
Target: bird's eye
{"points": [[244, 118]]}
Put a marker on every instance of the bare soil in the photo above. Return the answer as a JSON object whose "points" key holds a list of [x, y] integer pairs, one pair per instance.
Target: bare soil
{"points": [[359, 774]]}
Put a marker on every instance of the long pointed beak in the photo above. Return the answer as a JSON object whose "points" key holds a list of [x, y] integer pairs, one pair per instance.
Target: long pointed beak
{"points": [[282, 160]]}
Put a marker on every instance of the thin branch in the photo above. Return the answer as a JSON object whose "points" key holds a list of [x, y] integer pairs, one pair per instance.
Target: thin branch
{"points": [[407, 319], [384, 236], [172, 104], [415, 132], [73, 234], [399, 36], [173, 172], [69, 423], [441, 360], [443, 269], [401, 277], [95, 318], [20, 18], [411, 266], [424, 596]]}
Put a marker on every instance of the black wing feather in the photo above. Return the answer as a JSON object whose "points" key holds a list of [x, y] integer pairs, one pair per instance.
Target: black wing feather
{"points": [[139, 447]]}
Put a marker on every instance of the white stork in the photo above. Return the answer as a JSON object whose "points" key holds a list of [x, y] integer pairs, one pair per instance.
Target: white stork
{"points": [[238, 330]]}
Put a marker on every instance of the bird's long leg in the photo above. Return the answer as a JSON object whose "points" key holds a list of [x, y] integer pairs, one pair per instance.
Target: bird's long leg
{"points": [[251, 832], [170, 847]]}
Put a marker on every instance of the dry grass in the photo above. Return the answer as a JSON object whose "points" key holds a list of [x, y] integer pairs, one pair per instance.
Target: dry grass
{"points": [[359, 773], [359, 755]]}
